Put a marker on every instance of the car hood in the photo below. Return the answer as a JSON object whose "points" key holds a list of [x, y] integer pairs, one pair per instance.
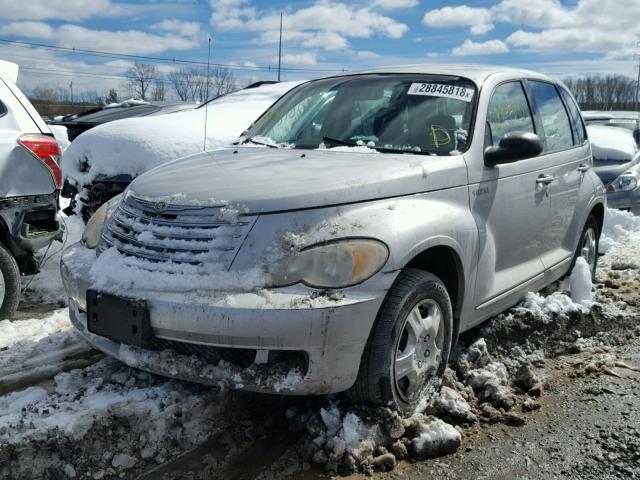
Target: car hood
{"points": [[608, 170], [260, 180]]}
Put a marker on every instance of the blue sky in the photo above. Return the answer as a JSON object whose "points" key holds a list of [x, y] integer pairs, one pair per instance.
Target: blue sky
{"points": [[562, 38]]}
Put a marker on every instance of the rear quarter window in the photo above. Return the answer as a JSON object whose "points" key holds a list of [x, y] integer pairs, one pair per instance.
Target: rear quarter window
{"points": [[576, 118]]}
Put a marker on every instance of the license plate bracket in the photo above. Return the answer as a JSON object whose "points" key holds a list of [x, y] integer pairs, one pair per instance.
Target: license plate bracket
{"points": [[124, 320]]}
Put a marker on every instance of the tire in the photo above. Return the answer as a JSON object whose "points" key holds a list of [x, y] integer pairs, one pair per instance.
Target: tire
{"points": [[393, 343], [592, 257], [9, 284]]}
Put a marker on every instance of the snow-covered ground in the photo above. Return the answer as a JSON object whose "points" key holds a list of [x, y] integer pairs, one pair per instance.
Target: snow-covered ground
{"points": [[65, 409]]}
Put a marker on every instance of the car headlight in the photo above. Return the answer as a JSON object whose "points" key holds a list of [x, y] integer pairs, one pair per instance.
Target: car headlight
{"points": [[95, 225], [335, 264], [624, 183]]}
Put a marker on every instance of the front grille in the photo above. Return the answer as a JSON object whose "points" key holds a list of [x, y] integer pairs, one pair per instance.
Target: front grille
{"points": [[241, 357], [178, 234]]}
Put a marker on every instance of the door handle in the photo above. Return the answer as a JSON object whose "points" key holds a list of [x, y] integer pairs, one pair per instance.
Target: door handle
{"points": [[545, 179], [583, 168]]}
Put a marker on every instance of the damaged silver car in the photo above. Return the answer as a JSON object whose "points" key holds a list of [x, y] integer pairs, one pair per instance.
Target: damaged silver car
{"points": [[350, 235]]}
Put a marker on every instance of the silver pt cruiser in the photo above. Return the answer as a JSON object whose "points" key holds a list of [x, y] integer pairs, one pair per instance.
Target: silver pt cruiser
{"points": [[358, 226]]}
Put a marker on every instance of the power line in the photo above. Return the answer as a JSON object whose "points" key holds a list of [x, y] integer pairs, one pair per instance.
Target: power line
{"points": [[152, 59]]}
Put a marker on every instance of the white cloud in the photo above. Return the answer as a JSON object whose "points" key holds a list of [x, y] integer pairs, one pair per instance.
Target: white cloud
{"points": [[27, 29], [395, 4], [608, 27], [180, 27], [479, 19], [62, 9], [135, 42], [325, 24], [367, 55], [129, 41], [297, 59], [490, 47]]}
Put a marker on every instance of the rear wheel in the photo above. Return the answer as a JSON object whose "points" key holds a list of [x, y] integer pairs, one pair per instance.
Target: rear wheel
{"points": [[588, 245], [409, 346], [9, 284]]}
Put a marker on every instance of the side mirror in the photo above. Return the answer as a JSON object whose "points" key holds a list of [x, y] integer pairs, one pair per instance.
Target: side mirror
{"points": [[513, 146]]}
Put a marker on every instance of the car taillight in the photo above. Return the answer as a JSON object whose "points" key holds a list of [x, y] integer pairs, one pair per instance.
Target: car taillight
{"points": [[47, 150]]}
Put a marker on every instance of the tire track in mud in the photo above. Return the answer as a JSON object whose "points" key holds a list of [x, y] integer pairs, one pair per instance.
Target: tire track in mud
{"points": [[254, 435]]}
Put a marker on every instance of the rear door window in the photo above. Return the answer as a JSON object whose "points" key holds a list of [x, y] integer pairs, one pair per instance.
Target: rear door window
{"points": [[555, 120], [508, 112]]}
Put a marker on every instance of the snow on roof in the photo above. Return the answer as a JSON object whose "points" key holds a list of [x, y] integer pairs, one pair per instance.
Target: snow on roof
{"points": [[9, 71], [134, 145], [611, 143]]}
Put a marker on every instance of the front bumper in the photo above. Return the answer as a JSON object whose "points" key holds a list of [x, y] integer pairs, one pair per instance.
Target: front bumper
{"points": [[330, 330]]}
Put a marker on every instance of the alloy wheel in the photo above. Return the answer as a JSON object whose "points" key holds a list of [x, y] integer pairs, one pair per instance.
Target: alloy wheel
{"points": [[589, 248], [419, 349]]}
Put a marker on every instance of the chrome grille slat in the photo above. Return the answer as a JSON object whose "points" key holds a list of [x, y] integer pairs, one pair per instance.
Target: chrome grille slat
{"points": [[153, 246], [176, 237], [169, 223]]}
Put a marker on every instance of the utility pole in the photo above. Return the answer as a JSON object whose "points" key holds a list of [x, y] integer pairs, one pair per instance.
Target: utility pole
{"points": [[206, 99], [280, 48], [71, 88], [638, 80]]}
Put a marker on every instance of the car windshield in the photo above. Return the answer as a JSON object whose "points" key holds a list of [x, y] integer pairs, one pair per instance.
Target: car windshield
{"points": [[429, 114]]}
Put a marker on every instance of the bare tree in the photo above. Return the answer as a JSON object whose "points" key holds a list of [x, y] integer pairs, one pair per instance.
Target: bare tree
{"points": [[223, 81], [45, 94], [112, 96], [609, 92], [191, 84], [179, 79], [141, 78], [159, 90]]}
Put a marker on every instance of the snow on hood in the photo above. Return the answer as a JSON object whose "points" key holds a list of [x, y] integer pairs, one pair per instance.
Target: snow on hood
{"points": [[134, 145], [611, 143]]}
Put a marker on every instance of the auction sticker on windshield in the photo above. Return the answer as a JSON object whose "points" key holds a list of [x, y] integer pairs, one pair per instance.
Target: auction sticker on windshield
{"points": [[441, 90]]}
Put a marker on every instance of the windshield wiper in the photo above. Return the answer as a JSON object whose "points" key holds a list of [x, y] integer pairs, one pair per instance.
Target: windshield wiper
{"points": [[258, 142], [348, 143]]}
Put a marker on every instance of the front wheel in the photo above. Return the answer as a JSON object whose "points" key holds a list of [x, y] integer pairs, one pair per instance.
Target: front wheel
{"points": [[409, 346], [9, 284]]}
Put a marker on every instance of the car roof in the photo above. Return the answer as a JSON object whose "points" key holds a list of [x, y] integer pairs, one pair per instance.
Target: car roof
{"points": [[475, 72]]}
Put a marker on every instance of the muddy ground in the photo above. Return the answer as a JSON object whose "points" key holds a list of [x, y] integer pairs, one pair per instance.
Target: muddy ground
{"points": [[577, 417]]}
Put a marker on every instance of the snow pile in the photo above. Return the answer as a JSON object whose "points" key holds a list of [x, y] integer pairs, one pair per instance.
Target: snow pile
{"points": [[34, 330], [581, 283], [611, 143], [140, 417], [547, 307], [436, 438], [61, 135], [367, 439], [619, 228], [134, 145]]}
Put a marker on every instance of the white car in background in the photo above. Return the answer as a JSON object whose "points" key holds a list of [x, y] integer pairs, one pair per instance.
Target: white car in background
{"points": [[100, 163], [30, 181]]}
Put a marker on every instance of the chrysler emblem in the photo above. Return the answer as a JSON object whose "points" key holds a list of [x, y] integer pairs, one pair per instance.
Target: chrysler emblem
{"points": [[159, 206]]}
